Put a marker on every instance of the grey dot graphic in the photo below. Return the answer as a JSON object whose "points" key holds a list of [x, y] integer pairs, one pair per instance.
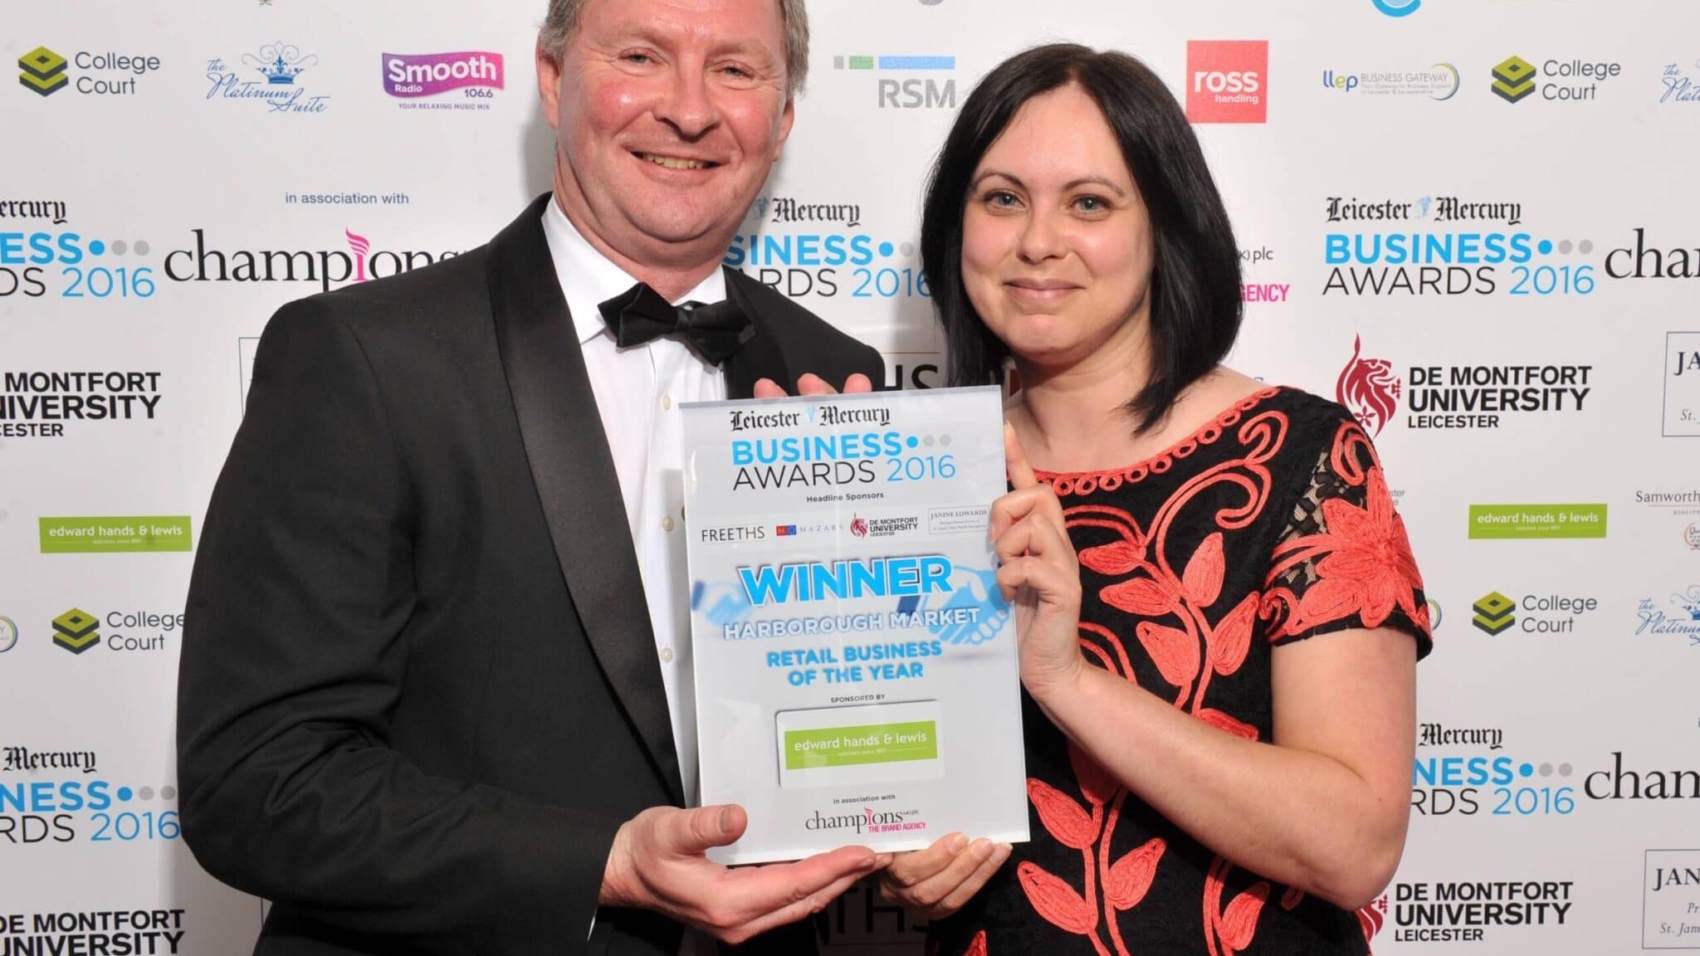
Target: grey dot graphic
{"points": [[4, 514], [944, 441], [141, 247], [168, 793], [1546, 769], [145, 793], [1585, 246], [1564, 770], [908, 248], [118, 247], [1564, 247], [927, 441]]}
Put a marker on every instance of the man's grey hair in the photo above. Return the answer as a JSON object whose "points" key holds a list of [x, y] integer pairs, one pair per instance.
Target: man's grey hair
{"points": [[564, 15]]}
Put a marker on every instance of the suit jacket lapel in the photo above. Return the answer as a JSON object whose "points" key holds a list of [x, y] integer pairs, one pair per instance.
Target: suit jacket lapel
{"points": [[759, 357], [575, 478]]}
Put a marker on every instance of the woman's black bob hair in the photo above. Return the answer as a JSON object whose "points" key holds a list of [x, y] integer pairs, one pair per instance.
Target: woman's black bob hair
{"points": [[1194, 289]]}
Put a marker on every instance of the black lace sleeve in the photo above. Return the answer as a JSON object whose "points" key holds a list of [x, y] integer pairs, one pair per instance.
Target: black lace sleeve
{"points": [[1344, 560]]}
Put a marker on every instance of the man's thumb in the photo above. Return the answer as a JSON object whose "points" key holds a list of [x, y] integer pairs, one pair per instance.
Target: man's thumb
{"points": [[707, 827]]}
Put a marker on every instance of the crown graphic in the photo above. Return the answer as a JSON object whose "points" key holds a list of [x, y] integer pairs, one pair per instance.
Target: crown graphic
{"points": [[280, 63], [1689, 602]]}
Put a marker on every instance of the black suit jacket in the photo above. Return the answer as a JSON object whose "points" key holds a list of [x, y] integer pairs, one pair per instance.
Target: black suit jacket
{"points": [[419, 689]]}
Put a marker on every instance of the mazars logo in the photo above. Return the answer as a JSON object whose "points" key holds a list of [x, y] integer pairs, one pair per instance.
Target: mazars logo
{"points": [[1369, 387], [1227, 81]]}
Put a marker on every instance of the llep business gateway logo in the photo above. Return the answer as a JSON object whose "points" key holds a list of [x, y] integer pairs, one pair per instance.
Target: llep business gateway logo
{"points": [[1227, 81]]}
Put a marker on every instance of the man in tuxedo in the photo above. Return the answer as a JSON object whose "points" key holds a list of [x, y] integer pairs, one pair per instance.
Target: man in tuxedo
{"points": [[435, 693]]}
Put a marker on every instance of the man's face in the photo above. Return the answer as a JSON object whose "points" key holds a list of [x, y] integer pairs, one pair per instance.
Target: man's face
{"points": [[668, 115]]}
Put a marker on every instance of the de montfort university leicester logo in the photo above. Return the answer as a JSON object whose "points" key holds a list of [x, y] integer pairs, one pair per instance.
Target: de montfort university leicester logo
{"points": [[1369, 388]]}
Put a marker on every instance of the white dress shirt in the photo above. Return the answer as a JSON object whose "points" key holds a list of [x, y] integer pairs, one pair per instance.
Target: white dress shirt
{"points": [[638, 391]]}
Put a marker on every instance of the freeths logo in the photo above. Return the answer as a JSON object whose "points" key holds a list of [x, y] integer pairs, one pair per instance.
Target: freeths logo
{"points": [[1398, 8], [43, 71], [76, 631], [1513, 79], [1227, 81], [1494, 613], [1369, 387], [909, 94], [412, 76]]}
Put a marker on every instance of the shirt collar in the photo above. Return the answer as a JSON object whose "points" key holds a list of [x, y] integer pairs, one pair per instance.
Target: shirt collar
{"points": [[588, 278]]}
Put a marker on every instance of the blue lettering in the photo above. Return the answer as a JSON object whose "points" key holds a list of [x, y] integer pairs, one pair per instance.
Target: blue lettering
{"points": [[741, 452], [765, 586]]}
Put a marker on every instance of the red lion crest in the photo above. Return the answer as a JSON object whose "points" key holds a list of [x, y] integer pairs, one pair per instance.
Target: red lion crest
{"points": [[1369, 388]]}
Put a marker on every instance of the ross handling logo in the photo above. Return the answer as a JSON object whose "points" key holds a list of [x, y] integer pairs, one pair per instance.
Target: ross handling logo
{"points": [[43, 71], [1227, 81]]}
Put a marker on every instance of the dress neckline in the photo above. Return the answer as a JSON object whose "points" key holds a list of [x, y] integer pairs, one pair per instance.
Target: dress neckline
{"points": [[1086, 482]]}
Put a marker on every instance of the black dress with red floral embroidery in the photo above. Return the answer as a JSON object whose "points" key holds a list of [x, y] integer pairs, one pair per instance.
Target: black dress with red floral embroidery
{"points": [[1270, 525]]}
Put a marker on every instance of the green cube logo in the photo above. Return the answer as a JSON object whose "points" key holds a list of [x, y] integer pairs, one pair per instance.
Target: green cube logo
{"points": [[43, 71], [1494, 613], [1514, 79], [76, 630]]}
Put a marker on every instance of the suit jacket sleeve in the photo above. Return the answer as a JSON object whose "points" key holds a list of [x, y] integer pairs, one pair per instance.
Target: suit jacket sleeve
{"points": [[293, 655]]}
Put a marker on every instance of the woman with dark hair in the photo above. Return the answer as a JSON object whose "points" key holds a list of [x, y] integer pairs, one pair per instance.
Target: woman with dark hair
{"points": [[1217, 609]]}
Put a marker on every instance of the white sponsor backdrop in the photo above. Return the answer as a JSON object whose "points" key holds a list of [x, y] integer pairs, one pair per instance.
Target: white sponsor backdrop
{"points": [[1544, 231]]}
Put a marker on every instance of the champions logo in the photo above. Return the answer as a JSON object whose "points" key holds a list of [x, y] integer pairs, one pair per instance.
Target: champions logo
{"points": [[1369, 387], [866, 820], [859, 578], [206, 262]]}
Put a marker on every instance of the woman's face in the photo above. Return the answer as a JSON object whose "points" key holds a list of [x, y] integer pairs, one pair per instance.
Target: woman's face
{"points": [[1056, 244]]}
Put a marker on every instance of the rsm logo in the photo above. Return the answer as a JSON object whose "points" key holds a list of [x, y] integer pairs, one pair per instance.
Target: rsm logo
{"points": [[899, 88]]}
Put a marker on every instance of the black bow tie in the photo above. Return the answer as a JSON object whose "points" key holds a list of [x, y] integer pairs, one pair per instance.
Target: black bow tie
{"points": [[640, 314]]}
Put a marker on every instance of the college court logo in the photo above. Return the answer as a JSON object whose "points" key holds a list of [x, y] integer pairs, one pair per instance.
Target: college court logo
{"points": [[43, 71], [1514, 79], [76, 630], [1494, 614], [1369, 388]]}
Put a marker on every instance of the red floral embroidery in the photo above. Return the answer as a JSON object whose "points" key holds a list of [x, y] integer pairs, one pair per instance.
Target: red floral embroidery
{"points": [[1172, 599], [1362, 558]]}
